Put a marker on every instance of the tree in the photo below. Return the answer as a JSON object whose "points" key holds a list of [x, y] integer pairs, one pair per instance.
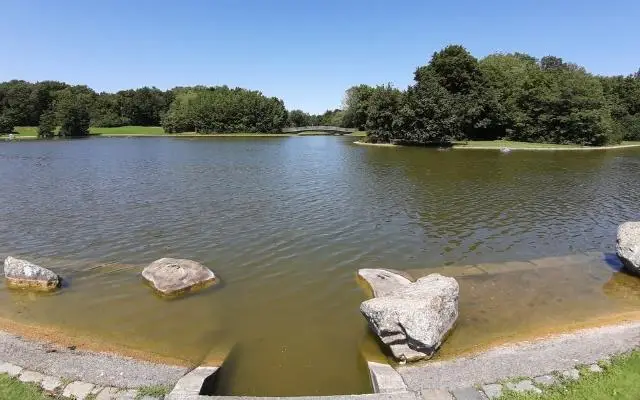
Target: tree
{"points": [[382, 114], [72, 111], [6, 124], [298, 118], [355, 105], [47, 125]]}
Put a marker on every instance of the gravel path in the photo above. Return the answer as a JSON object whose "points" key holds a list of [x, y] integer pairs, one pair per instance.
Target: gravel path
{"points": [[97, 368], [531, 359]]}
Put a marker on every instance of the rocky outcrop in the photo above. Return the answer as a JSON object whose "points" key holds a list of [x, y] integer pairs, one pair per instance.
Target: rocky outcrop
{"points": [[172, 276], [414, 319], [628, 246], [24, 274]]}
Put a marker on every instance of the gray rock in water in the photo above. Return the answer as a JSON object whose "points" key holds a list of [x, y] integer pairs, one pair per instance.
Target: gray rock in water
{"points": [[415, 319], [24, 274], [628, 246], [171, 276], [383, 282]]}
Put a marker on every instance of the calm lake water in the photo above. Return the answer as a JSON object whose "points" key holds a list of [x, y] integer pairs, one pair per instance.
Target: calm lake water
{"points": [[286, 223]]}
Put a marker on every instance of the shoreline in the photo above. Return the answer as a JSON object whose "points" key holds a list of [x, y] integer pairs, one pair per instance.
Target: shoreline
{"points": [[511, 147]]}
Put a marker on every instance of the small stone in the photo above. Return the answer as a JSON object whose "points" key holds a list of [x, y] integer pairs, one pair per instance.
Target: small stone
{"points": [[595, 368], [468, 393], [572, 374], [31, 376], [436, 394], [108, 393], [127, 395], [493, 391], [523, 386], [172, 276], [50, 383], [79, 390], [10, 369], [545, 380]]}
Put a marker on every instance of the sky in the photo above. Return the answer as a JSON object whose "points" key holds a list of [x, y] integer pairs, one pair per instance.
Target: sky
{"points": [[306, 52]]}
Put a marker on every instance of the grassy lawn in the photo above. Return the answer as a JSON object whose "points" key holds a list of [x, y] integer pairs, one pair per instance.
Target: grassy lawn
{"points": [[496, 144], [13, 389], [620, 380]]}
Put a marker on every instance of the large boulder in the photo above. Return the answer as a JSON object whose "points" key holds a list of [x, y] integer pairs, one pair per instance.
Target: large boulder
{"points": [[628, 246], [414, 320], [171, 276], [24, 274], [383, 282]]}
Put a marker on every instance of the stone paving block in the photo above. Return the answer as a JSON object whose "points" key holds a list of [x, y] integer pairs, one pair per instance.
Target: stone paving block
{"points": [[10, 369], [31, 376], [385, 379], [127, 395], [468, 393], [149, 398], [50, 383], [493, 391], [545, 380], [436, 394], [595, 368], [572, 374], [108, 393], [79, 390], [523, 386]]}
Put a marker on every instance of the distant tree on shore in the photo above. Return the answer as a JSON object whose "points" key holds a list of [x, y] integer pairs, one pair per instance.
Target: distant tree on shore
{"points": [[47, 125], [72, 111]]}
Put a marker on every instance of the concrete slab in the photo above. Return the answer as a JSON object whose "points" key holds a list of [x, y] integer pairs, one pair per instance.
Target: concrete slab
{"points": [[468, 393], [493, 390], [10, 369], [191, 383], [51, 383], [523, 386], [78, 390], [436, 394], [385, 379], [545, 380], [31, 376], [127, 395], [108, 393]]}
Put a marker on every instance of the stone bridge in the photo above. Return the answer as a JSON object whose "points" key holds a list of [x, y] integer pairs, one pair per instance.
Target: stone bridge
{"points": [[335, 130]]}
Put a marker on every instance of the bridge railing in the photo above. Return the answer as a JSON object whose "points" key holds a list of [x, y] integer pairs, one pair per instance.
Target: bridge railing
{"points": [[319, 128]]}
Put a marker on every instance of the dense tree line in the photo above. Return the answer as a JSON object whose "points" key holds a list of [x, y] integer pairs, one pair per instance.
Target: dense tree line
{"points": [[502, 96], [60, 108]]}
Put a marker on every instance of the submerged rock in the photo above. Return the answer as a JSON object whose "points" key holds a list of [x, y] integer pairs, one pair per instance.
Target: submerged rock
{"points": [[171, 276], [414, 320], [383, 282], [24, 274], [628, 246]]}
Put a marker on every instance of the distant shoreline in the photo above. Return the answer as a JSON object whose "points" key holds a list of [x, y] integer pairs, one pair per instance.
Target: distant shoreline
{"points": [[499, 145]]}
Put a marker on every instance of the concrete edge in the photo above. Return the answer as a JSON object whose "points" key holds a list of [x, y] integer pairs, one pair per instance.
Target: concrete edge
{"points": [[190, 385], [385, 379]]}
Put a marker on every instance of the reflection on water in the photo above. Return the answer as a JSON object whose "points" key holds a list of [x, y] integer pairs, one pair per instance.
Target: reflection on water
{"points": [[286, 223]]}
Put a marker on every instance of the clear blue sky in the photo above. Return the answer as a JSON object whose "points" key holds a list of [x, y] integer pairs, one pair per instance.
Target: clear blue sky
{"points": [[306, 52]]}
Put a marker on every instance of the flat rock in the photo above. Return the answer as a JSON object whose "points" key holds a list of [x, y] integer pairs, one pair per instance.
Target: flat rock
{"points": [[383, 282], [493, 391], [51, 383], [171, 276], [545, 380], [468, 393], [24, 274], [31, 376], [436, 394], [10, 369], [385, 379], [414, 319], [523, 386], [628, 246], [572, 374], [78, 390]]}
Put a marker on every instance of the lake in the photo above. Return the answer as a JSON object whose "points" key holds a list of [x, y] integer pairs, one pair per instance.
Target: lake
{"points": [[286, 223]]}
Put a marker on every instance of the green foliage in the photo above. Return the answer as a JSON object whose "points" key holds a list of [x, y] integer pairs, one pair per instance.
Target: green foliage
{"points": [[382, 113], [13, 389], [618, 381], [72, 112], [6, 123], [47, 125], [298, 118], [220, 109], [355, 106], [155, 391], [505, 96]]}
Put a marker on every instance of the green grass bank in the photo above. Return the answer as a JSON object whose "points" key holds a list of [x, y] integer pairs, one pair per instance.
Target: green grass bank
{"points": [[618, 381]]}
